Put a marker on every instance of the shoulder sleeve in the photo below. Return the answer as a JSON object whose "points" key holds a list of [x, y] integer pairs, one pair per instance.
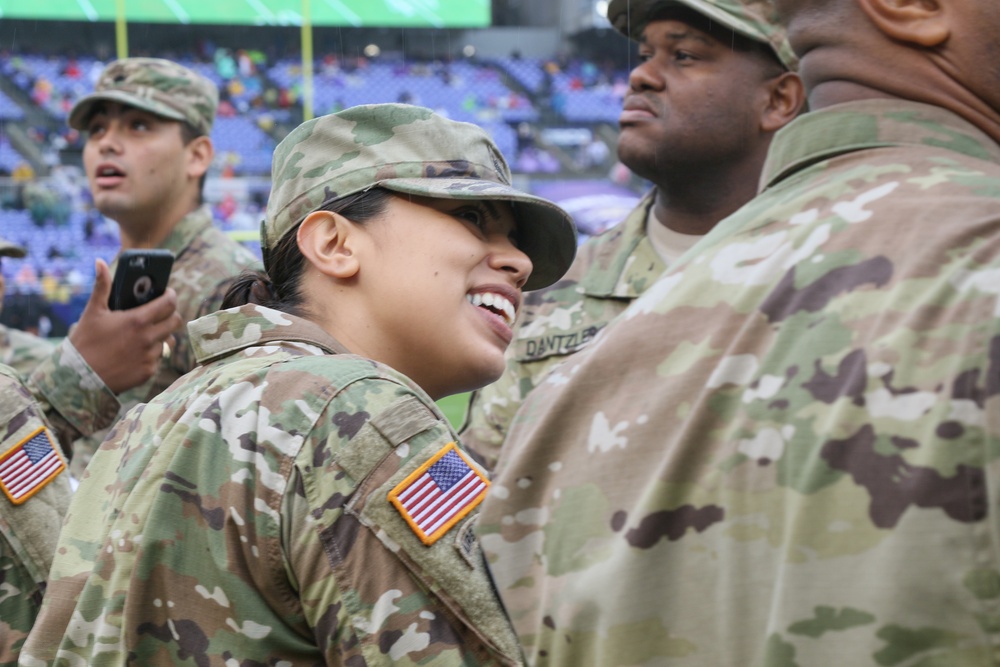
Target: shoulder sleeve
{"points": [[22, 351], [34, 497], [391, 502], [74, 398]]}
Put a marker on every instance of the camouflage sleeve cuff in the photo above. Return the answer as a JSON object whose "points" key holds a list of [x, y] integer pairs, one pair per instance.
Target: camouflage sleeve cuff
{"points": [[69, 389]]}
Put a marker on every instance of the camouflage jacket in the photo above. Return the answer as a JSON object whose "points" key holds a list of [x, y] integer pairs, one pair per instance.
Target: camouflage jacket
{"points": [[72, 396], [70, 412], [34, 496], [206, 263], [21, 350], [787, 451], [246, 515], [610, 271]]}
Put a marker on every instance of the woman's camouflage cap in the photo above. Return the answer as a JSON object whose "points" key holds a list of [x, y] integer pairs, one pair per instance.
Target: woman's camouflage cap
{"points": [[158, 86], [754, 19], [412, 150]]}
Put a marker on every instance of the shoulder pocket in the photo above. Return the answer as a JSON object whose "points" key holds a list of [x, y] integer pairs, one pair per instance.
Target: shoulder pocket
{"points": [[421, 500]]}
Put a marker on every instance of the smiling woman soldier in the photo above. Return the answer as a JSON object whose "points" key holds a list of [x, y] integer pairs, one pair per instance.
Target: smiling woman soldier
{"points": [[298, 499]]}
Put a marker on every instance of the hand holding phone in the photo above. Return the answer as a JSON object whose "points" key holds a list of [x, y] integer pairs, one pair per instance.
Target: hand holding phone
{"points": [[140, 277]]}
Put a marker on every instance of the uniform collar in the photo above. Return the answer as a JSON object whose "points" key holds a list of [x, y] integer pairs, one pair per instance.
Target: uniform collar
{"points": [[227, 331], [855, 126], [616, 249], [185, 231]]}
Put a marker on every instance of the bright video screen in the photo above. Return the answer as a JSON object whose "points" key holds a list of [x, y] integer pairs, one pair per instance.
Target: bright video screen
{"points": [[347, 13]]}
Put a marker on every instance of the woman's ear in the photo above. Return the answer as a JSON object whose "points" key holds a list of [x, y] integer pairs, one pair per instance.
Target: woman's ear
{"points": [[920, 22], [327, 240], [786, 97]]}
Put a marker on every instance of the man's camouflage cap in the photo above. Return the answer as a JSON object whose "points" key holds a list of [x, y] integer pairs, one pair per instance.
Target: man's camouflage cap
{"points": [[413, 150], [754, 19], [159, 86], [8, 249]]}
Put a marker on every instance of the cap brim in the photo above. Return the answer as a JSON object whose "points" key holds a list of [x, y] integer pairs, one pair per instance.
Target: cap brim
{"points": [[631, 23], [545, 232], [80, 112]]}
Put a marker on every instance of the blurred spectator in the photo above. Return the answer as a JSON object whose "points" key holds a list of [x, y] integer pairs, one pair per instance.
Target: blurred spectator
{"points": [[72, 69], [23, 173], [594, 154], [225, 66]]}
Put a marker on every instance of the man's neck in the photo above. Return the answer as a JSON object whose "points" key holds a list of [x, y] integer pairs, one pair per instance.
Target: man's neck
{"points": [[694, 203], [139, 233], [830, 82]]}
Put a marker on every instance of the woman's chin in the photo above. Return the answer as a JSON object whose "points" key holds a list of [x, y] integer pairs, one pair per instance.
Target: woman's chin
{"points": [[479, 377]]}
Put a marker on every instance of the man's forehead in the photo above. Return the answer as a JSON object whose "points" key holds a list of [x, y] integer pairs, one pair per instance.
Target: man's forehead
{"points": [[676, 29], [114, 109]]}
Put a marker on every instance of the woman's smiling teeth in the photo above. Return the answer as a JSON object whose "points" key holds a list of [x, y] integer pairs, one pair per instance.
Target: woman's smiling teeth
{"points": [[500, 305]]}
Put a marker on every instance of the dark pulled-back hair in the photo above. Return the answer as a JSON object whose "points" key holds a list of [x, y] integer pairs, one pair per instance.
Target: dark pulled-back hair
{"points": [[279, 285]]}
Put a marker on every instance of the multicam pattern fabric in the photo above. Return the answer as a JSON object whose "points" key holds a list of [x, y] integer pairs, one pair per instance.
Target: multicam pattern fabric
{"points": [[28, 531], [207, 262], [72, 396], [159, 86], [786, 451], [755, 19], [609, 272], [413, 150], [242, 517], [21, 350]]}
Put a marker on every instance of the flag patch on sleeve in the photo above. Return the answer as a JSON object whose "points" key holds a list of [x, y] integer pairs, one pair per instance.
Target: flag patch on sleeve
{"points": [[436, 496], [29, 466]]}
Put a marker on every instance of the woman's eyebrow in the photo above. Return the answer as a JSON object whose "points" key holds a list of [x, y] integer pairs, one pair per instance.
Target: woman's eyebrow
{"points": [[491, 209]]}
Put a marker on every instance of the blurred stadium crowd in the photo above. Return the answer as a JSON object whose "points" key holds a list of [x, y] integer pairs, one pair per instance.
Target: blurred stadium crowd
{"points": [[555, 119]]}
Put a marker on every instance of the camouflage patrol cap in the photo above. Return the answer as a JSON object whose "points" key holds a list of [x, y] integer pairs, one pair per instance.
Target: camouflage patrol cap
{"points": [[8, 249], [159, 86], [754, 19], [413, 150]]}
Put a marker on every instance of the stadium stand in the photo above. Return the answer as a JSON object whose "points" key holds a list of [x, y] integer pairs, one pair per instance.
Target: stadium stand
{"points": [[529, 105]]}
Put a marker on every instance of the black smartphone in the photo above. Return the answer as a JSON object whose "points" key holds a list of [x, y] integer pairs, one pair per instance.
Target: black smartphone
{"points": [[141, 276]]}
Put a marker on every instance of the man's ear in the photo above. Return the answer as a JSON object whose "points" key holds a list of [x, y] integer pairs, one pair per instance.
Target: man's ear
{"points": [[200, 152], [786, 98], [921, 22], [327, 240]]}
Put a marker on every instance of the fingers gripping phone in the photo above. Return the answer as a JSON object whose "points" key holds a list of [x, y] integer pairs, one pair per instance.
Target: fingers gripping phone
{"points": [[141, 276]]}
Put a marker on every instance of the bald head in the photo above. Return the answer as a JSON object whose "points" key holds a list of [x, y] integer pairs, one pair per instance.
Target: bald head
{"points": [[940, 52]]}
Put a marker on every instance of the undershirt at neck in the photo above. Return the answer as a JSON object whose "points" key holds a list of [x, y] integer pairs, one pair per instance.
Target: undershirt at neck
{"points": [[669, 245]]}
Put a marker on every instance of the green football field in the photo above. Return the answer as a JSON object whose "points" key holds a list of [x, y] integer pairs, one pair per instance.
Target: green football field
{"points": [[355, 13], [453, 408]]}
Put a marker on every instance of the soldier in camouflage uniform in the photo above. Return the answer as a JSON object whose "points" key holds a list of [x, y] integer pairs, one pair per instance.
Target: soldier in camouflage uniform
{"points": [[298, 499], [147, 151], [703, 156], [787, 451], [19, 349], [32, 507]]}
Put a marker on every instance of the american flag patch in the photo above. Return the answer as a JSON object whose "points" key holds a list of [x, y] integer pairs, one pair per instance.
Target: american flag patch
{"points": [[439, 493], [32, 464]]}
